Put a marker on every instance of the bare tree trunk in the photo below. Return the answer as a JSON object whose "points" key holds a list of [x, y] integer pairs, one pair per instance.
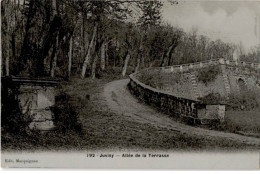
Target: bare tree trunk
{"points": [[7, 72], [114, 63], [167, 56], [55, 47], [127, 58], [85, 43], [118, 61], [89, 52], [103, 56], [70, 57], [138, 64], [7, 59], [140, 55], [163, 59], [82, 48], [106, 54], [94, 65], [54, 57], [1, 42], [14, 9], [143, 61]]}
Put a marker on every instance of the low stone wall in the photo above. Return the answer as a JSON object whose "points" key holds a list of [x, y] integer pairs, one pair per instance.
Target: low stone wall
{"points": [[211, 113], [190, 111]]}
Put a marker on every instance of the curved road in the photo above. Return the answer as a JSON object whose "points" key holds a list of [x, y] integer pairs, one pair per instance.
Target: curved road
{"points": [[122, 102]]}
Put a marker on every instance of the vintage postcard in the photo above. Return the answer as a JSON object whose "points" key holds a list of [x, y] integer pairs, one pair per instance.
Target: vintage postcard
{"points": [[130, 84]]}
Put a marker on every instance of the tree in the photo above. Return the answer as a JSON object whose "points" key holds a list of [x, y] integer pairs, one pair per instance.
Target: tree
{"points": [[150, 18], [62, 37], [103, 56], [151, 13], [89, 52], [167, 56], [127, 58], [6, 16], [130, 44], [100, 11], [252, 56], [1, 58], [70, 57], [56, 45]]}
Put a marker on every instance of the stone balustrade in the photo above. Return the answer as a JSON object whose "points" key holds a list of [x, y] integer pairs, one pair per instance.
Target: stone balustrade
{"points": [[206, 63]]}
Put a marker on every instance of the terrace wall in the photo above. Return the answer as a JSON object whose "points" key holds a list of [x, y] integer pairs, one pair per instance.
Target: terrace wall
{"points": [[190, 110]]}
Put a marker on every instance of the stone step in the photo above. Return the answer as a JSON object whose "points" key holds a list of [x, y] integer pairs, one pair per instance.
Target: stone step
{"points": [[196, 92], [195, 89], [226, 82], [225, 78], [194, 85]]}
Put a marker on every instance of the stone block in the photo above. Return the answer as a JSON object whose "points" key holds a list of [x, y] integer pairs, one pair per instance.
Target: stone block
{"points": [[36, 96]]}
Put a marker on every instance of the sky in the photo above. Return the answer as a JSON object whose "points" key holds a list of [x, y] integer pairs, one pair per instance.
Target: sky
{"points": [[230, 21]]}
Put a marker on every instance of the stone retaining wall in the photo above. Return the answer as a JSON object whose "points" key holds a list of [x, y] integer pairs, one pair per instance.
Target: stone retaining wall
{"points": [[190, 111], [193, 111]]}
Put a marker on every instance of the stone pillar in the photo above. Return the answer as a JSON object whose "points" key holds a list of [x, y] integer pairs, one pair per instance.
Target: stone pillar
{"points": [[171, 68], [181, 68], [222, 61], [36, 98]]}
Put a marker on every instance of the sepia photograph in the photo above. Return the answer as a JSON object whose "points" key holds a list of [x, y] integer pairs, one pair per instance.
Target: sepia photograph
{"points": [[130, 84]]}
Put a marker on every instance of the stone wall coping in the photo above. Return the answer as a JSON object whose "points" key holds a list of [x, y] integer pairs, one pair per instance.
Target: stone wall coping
{"points": [[41, 81], [162, 92], [220, 61]]}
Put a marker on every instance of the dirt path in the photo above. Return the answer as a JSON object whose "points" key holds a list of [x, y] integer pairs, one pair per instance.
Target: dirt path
{"points": [[122, 102]]}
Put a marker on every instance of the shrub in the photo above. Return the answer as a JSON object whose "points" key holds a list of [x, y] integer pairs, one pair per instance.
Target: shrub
{"points": [[208, 74], [245, 100], [158, 79], [211, 98], [151, 79], [13, 120], [66, 116]]}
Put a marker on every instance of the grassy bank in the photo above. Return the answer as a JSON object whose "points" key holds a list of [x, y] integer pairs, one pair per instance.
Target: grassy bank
{"points": [[102, 129], [243, 122], [75, 96]]}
